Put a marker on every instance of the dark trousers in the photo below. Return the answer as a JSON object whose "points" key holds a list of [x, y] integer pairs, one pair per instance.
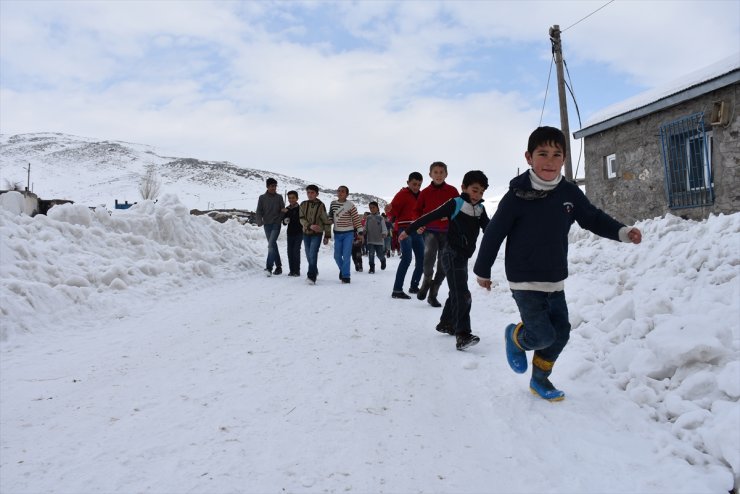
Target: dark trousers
{"points": [[434, 244], [457, 306], [294, 252], [546, 326]]}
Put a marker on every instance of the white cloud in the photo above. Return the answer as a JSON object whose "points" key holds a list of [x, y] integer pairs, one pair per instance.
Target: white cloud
{"points": [[277, 86]]}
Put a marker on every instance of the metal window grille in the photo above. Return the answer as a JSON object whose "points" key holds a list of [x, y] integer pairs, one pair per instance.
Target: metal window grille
{"points": [[687, 161]]}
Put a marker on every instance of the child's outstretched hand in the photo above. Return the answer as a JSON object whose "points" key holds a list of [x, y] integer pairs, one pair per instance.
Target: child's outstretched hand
{"points": [[635, 235], [484, 283], [402, 236]]}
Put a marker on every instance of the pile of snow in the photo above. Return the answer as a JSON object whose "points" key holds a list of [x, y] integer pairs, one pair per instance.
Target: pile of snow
{"points": [[663, 322], [78, 259], [655, 349]]}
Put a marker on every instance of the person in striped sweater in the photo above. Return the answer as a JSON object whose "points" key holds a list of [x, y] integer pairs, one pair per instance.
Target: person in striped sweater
{"points": [[347, 223]]}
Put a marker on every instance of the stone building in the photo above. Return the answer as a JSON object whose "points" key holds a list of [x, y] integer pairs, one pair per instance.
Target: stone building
{"points": [[671, 151]]}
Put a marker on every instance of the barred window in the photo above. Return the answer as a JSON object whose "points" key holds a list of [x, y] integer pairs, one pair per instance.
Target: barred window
{"points": [[687, 159]]}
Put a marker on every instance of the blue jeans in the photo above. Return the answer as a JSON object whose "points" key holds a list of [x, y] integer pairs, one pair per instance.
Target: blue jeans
{"points": [[546, 326], [457, 306], [294, 252], [411, 245], [311, 244], [272, 232], [373, 249], [343, 251]]}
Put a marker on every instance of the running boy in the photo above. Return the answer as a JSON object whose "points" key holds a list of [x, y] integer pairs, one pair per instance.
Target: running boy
{"points": [[534, 217], [435, 233], [467, 217]]}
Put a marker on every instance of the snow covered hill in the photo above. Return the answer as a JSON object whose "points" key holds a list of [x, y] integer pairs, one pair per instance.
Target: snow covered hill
{"points": [[93, 172], [144, 351]]}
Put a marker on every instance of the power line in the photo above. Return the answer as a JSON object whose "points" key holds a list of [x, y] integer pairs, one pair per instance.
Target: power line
{"points": [[589, 15], [547, 88]]}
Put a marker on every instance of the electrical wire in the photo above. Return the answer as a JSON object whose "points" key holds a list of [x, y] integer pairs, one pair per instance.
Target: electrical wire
{"points": [[547, 88], [589, 15], [578, 112]]}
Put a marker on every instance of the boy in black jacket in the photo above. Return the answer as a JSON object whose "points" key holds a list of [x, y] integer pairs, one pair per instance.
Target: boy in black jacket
{"points": [[295, 233], [467, 217], [534, 217]]}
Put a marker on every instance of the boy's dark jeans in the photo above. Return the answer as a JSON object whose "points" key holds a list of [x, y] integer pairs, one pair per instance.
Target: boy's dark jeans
{"points": [[457, 306], [546, 325], [294, 252]]}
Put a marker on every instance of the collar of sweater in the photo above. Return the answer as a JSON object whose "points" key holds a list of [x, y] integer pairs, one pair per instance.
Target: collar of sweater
{"points": [[438, 186], [539, 184]]}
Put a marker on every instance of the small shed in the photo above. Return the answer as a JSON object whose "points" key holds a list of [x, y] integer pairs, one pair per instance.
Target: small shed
{"points": [[672, 150]]}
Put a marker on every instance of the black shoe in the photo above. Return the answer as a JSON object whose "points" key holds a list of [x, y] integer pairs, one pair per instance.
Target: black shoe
{"points": [[414, 289], [424, 289], [345, 280], [400, 295], [311, 279], [294, 274], [371, 271], [433, 302], [446, 328], [278, 270], [466, 341], [382, 264]]}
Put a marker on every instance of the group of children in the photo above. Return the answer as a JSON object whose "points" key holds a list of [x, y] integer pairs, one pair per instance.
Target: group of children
{"points": [[439, 226]]}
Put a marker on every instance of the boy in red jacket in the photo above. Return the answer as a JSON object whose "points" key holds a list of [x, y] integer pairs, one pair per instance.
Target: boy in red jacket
{"points": [[403, 208]]}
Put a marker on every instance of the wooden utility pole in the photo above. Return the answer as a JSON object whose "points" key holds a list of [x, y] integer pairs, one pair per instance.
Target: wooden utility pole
{"points": [[557, 53]]}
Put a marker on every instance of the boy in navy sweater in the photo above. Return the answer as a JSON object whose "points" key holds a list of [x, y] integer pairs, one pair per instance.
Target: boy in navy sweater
{"points": [[534, 217], [467, 217]]}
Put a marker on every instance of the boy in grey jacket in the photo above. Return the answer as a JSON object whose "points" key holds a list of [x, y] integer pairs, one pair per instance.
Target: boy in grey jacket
{"points": [[375, 234], [269, 213]]}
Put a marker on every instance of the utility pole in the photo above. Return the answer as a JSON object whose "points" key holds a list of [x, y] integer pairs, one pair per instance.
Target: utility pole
{"points": [[557, 53], [28, 183]]}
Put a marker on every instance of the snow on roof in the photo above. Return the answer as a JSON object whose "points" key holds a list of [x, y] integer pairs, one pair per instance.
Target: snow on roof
{"points": [[696, 78]]}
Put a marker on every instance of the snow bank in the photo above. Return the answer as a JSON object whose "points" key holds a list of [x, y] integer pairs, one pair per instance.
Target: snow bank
{"points": [[78, 259], [663, 322]]}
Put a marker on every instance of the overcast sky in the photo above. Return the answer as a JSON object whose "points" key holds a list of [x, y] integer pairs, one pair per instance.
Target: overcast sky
{"points": [[353, 93]]}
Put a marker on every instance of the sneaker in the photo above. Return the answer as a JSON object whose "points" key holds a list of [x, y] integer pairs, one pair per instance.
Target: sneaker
{"points": [[278, 270], [446, 328], [371, 270], [516, 357], [294, 274], [345, 280], [311, 279], [466, 341], [543, 388], [382, 264], [400, 295], [414, 289], [268, 272], [433, 301]]}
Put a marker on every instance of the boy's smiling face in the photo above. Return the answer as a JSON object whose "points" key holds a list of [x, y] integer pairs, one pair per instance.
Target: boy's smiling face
{"points": [[546, 161], [475, 191]]}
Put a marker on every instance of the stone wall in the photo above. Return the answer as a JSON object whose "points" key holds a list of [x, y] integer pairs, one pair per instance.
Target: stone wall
{"points": [[639, 190]]}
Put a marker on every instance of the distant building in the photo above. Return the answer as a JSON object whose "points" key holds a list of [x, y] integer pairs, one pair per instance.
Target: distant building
{"points": [[674, 150], [124, 205]]}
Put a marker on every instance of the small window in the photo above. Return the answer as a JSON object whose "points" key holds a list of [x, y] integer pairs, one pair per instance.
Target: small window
{"points": [[610, 163]]}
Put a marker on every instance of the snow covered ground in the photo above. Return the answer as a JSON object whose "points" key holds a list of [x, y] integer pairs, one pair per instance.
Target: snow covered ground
{"points": [[144, 351]]}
